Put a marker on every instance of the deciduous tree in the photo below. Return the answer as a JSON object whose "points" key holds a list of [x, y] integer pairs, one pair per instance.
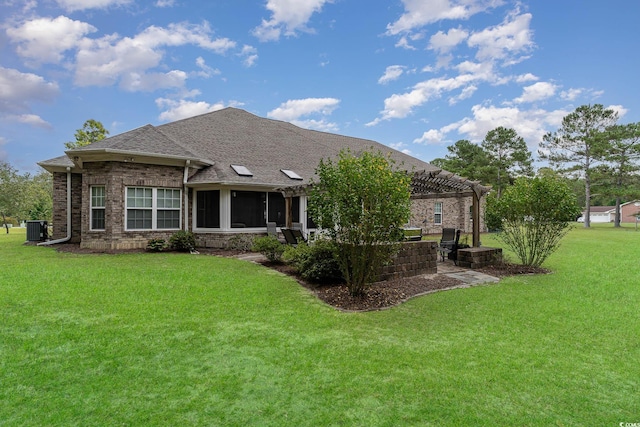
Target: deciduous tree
{"points": [[361, 202], [468, 160], [92, 131]]}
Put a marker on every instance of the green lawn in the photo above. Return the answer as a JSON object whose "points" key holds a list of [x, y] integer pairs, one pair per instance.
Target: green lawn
{"points": [[169, 339]]}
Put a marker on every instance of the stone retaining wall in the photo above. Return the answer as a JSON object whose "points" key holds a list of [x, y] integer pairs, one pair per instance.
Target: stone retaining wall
{"points": [[479, 257], [414, 258]]}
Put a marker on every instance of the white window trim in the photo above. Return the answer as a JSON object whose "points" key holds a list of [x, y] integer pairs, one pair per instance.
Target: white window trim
{"points": [[91, 207], [154, 209], [225, 211], [435, 212]]}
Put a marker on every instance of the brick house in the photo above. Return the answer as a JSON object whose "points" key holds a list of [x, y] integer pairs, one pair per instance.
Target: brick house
{"points": [[221, 174]]}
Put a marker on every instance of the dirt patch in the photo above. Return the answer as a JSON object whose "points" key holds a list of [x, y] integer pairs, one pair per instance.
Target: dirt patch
{"points": [[508, 269]]}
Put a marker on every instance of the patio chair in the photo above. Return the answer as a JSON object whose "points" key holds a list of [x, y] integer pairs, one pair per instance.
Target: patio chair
{"points": [[297, 234], [271, 229], [449, 243], [289, 236]]}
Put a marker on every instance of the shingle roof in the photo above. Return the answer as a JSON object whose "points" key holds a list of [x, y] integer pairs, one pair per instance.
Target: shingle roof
{"points": [[236, 137]]}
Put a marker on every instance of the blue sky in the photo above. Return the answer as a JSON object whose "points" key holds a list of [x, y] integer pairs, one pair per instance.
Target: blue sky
{"points": [[416, 75]]}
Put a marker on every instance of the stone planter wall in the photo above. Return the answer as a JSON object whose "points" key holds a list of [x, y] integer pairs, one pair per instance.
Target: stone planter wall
{"points": [[479, 257], [414, 258]]}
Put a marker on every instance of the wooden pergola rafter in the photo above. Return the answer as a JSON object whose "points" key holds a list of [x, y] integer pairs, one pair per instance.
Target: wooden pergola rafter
{"points": [[432, 183]]}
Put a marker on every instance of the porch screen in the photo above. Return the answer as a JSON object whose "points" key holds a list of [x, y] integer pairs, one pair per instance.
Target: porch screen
{"points": [[277, 209], [248, 209], [208, 209]]}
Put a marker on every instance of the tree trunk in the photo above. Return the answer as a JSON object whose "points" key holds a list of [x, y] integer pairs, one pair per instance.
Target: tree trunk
{"points": [[587, 202], [4, 220], [616, 221]]}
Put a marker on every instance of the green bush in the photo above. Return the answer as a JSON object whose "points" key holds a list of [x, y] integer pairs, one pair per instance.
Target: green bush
{"points": [[240, 242], [183, 241], [157, 245], [270, 247], [317, 262]]}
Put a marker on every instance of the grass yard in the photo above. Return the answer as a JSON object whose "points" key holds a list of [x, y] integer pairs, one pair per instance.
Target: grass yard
{"points": [[171, 339]]}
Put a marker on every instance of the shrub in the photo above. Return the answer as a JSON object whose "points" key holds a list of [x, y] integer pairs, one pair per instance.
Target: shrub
{"points": [[317, 262], [156, 245], [535, 215], [240, 242], [183, 241], [270, 247], [361, 202]]}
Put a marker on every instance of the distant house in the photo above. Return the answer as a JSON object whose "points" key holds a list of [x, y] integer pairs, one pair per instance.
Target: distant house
{"points": [[628, 213], [221, 174]]}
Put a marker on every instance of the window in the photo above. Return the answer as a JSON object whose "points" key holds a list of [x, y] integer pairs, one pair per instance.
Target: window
{"points": [[153, 208], [97, 208], [168, 208], [208, 209], [437, 213]]}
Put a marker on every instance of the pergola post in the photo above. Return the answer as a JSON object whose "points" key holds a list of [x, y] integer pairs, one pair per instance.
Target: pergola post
{"points": [[288, 209], [475, 214]]}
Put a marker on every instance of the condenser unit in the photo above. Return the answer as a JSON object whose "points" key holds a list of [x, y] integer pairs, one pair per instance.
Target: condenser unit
{"points": [[37, 231]]}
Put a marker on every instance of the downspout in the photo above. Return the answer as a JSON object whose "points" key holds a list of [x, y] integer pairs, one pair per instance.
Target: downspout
{"points": [[68, 237], [185, 191]]}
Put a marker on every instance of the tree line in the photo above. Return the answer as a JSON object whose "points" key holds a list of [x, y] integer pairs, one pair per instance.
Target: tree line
{"points": [[595, 156], [26, 196]]}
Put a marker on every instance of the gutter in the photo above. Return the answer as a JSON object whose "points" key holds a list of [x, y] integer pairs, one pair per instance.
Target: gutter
{"points": [[68, 237]]}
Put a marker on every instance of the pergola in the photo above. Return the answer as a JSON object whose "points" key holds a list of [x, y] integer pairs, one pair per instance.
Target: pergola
{"points": [[425, 184], [442, 184]]}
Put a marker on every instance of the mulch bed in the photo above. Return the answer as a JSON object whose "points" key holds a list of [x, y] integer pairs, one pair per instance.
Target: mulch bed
{"points": [[377, 296]]}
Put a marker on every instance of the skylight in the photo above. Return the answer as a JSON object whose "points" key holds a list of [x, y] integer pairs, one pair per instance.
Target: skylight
{"points": [[242, 170], [291, 174]]}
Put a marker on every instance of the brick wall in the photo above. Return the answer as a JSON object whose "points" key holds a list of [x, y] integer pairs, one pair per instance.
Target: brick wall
{"points": [[116, 177], [60, 206], [414, 258], [456, 213]]}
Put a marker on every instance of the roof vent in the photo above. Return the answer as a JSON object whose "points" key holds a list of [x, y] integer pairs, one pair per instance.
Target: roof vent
{"points": [[242, 170], [291, 174]]}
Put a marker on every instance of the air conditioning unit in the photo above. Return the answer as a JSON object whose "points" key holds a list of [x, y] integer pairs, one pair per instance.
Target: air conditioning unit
{"points": [[37, 231]]}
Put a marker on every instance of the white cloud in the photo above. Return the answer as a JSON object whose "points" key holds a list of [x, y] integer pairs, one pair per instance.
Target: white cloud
{"points": [[287, 17], [419, 13], [294, 110], [393, 72], [432, 136], [73, 5], [182, 109], [525, 78], [536, 92], [505, 41], [18, 90], [618, 109], [110, 59], [44, 40], [250, 55], [399, 106], [165, 3], [205, 70], [400, 146], [404, 44], [30, 119], [444, 42], [466, 93], [530, 124]]}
